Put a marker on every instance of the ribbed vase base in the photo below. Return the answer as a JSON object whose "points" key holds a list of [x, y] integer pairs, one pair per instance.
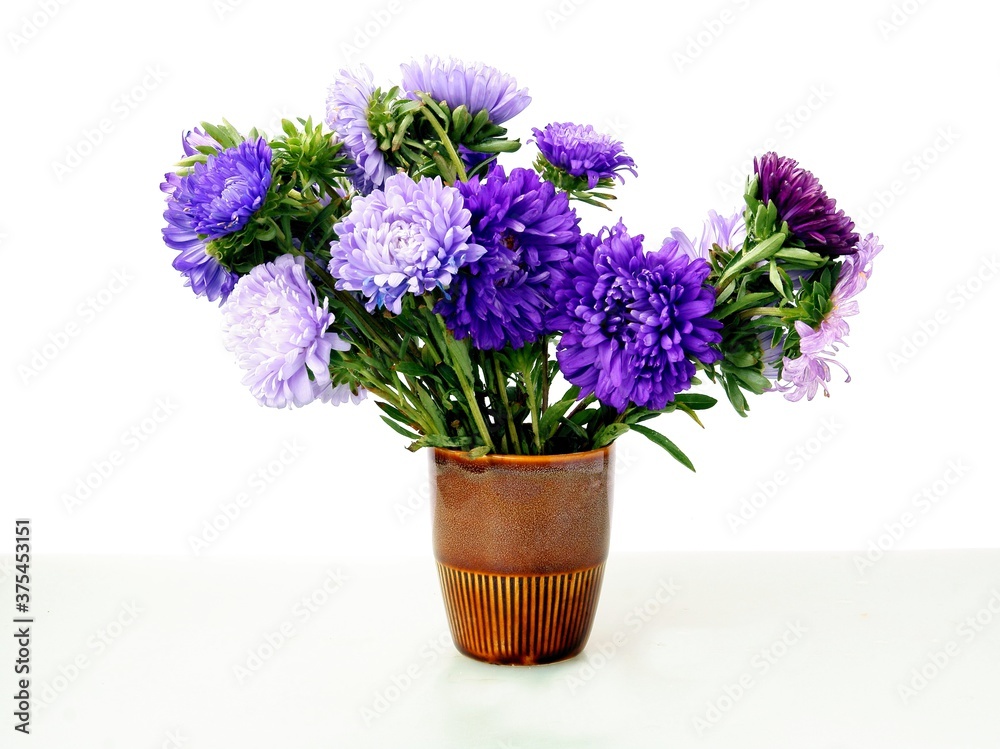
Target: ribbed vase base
{"points": [[520, 620]]}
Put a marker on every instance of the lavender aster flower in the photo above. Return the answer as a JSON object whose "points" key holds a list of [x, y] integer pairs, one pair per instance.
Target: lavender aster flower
{"points": [[804, 375], [192, 139], [581, 151], [281, 335], [728, 232], [347, 115], [634, 323], [214, 199], [475, 85], [527, 232], [409, 237], [812, 216]]}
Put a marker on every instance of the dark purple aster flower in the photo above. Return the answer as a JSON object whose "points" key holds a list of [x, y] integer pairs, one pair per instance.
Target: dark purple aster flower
{"points": [[633, 323], [214, 199], [528, 232], [581, 151], [475, 85], [812, 216]]}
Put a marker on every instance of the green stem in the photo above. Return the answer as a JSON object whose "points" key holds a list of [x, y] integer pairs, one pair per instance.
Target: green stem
{"points": [[533, 406], [502, 388], [545, 373], [446, 142], [767, 312]]}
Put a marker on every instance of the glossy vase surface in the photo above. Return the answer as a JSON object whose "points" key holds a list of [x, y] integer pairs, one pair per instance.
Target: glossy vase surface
{"points": [[521, 543]]}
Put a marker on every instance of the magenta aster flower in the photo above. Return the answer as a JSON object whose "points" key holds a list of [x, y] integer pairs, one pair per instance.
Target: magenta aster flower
{"points": [[581, 151], [804, 375], [527, 232], [812, 216], [409, 237], [215, 199], [281, 335], [347, 115], [634, 323], [475, 85]]}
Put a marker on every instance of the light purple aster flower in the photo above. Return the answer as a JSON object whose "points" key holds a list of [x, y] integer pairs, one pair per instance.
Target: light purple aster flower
{"points": [[728, 232], [192, 139], [807, 373], [281, 335], [347, 115], [475, 85], [581, 151], [409, 237], [215, 199], [634, 323]]}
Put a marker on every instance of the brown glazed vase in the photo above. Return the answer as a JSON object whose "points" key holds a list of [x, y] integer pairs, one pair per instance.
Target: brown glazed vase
{"points": [[521, 543]]}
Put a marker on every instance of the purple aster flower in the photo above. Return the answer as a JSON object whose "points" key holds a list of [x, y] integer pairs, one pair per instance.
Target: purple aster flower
{"points": [[527, 231], [214, 199], [805, 374], [634, 323], [728, 232], [281, 335], [581, 151], [800, 199], [475, 85], [409, 237], [347, 115]]}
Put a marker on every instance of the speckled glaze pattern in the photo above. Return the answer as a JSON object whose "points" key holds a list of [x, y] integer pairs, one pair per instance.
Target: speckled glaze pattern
{"points": [[521, 543]]}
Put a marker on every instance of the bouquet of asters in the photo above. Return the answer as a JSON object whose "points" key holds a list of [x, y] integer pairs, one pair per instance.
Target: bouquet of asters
{"points": [[392, 254]]}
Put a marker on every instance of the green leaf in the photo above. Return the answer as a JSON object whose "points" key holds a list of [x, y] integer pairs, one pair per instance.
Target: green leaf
{"points": [[396, 427], [549, 422], [744, 302], [665, 443], [696, 401], [413, 369], [755, 381], [478, 452], [609, 434], [573, 427]]}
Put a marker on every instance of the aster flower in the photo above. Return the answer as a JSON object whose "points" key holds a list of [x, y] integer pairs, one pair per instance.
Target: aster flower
{"points": [[634, 323], [728, 232], [581, 151], [215, 199], [475, 85], [409, 237], [347, 107], [804, 375], [527, 231], [192, 139], [281, 335], [800, 200]]}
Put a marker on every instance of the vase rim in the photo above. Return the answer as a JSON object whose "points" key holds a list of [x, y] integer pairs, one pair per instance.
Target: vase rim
{"points": [[509, 458]]}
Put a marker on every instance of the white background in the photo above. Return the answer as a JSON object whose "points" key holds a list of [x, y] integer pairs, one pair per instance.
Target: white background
{"points": [[892, 107]]}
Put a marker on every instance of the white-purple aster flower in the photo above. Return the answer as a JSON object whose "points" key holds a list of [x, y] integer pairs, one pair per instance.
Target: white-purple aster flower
{"points": [[581, 151], [347, 115], [475, 85], [281, 335], [215, 199], [804, 375], [409, 237]]}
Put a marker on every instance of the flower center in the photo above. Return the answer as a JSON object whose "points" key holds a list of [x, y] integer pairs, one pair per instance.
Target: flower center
{"points": [[404, 243]]}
